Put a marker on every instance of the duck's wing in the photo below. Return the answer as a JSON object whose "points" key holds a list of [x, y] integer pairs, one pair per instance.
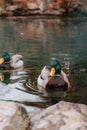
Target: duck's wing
{"points": [[16, 61], [65, 78], [43, 77]]}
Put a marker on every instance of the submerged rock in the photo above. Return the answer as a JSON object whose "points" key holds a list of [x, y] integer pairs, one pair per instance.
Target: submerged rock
{"points": [[62, 116]]}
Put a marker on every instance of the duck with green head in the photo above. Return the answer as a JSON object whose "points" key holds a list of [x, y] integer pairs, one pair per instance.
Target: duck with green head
{"points": [[10, 62], [53, 77], [55, 67]]}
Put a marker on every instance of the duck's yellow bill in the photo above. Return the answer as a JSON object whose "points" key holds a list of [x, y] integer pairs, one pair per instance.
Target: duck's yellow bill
{"points": [[52, 72], [1, 61], [2, 77]]}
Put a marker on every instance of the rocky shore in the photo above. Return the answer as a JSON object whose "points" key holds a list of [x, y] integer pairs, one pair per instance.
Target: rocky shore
{"points": [[61, 116], [38, 7]]}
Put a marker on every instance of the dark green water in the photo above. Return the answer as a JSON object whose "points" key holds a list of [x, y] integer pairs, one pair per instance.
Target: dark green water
{"points": [[37, 40]]}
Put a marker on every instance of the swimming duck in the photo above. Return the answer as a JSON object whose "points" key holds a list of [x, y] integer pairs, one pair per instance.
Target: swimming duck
{"points": [[53, 77], [10, 62]]}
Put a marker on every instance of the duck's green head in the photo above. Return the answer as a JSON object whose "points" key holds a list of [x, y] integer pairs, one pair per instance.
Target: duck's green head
{"points": [[55, 67], [5, 57]]}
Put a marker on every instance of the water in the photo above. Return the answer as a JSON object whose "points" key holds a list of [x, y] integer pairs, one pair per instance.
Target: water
{"points": [[37, 40]]}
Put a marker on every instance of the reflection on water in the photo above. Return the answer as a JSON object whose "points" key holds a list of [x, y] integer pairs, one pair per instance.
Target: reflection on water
{"points": [[37, 40], [12, 88]]}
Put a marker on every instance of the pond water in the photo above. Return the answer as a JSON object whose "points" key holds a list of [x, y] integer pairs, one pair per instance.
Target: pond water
{"points": [[37, 40]]}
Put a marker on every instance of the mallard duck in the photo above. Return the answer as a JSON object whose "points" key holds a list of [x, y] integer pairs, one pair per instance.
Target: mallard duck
{"points": [[10, 62], [53, 77]]}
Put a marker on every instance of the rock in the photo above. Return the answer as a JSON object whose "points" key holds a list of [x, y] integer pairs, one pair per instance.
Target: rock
{"points": [[42, 5], [32, 6], [12, 116], [62, 116], [11, 7], [83, 6], [1, 9]]}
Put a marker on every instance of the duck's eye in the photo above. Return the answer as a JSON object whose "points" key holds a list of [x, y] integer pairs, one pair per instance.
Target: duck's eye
{"points": [[41, 77], [21, 58]]}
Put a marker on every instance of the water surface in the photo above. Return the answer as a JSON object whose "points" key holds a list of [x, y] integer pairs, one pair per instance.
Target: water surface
{"points": [[37, 40]]}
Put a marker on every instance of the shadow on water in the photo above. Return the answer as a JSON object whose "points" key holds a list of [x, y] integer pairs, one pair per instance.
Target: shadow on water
{"points": [[37, 40]]}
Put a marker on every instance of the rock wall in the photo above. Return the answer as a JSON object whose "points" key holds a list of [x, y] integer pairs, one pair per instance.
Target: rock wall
{"points": [[29, 7]]}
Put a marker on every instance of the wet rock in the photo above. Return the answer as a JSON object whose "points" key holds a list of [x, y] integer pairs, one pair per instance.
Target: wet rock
{"points": [[12, 116], [62, 116]]}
